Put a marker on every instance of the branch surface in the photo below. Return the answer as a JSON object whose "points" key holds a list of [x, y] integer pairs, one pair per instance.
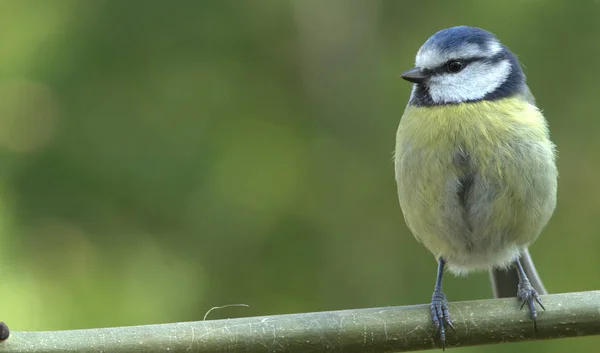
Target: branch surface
{"points": [[390, 329]]}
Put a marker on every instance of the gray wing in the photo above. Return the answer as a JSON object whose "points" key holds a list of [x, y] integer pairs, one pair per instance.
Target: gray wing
{"points": [[527, 95]]}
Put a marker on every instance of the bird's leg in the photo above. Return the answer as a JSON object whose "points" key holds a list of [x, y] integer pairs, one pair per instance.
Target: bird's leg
{"points": [[439, 305], [527, 293]]}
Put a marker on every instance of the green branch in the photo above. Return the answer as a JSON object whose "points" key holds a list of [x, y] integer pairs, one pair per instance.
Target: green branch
{"points": [[391, 329]]}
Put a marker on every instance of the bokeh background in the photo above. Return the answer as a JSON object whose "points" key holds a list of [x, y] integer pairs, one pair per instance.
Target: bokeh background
{"points": [[161, 158]]}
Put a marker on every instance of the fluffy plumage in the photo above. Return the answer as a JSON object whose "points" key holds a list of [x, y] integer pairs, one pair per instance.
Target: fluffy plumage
{"points": [[474, 164], [476, 181]]}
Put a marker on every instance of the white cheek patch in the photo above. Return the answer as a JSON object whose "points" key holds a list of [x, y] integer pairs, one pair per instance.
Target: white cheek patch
{"points": [[474, 82], [432, 57]]}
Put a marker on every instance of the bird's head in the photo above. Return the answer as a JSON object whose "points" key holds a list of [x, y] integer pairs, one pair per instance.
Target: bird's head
{"points": [[464, 64]]}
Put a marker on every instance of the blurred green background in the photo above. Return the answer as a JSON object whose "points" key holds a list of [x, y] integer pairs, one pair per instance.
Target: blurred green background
{"points": [[161, 158]]}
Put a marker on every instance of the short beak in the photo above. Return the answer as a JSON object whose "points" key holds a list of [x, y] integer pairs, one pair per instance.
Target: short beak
{"points": [[414, 75]]}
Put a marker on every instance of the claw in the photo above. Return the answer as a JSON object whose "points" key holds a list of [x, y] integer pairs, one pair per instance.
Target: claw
{"points": [[537, 300], [449, 323], [440, 315], [529, 296]]}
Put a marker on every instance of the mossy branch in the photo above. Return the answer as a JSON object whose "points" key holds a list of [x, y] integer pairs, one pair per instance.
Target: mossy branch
{"points": [[390, 329]]}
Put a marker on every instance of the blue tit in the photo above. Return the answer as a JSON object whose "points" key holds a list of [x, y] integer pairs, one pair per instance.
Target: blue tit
{"points": [[474, 164]]}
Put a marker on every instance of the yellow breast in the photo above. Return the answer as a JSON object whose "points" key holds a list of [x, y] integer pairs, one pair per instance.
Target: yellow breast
{"points": [[482, 127], [505, 146]]}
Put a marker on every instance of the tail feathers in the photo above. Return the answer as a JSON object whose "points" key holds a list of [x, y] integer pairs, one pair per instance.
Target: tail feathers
{"points": [[505, 282]]}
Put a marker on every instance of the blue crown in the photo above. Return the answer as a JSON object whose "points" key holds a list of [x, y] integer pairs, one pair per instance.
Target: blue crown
{"points": [[454, 38]]}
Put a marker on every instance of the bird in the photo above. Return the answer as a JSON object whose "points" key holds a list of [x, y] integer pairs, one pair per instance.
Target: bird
{"points": [[475, 166]]}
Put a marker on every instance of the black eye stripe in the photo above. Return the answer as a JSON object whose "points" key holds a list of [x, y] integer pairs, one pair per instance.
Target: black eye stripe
{"points": [[513, 85], [442, 68]]}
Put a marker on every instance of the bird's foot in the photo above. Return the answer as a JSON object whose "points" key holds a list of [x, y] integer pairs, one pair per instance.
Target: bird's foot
{"points": [[529, 296], [440, 315]]}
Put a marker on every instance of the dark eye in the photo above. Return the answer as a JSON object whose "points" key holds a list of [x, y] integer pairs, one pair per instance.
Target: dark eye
{"points": [[454, 66]]}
